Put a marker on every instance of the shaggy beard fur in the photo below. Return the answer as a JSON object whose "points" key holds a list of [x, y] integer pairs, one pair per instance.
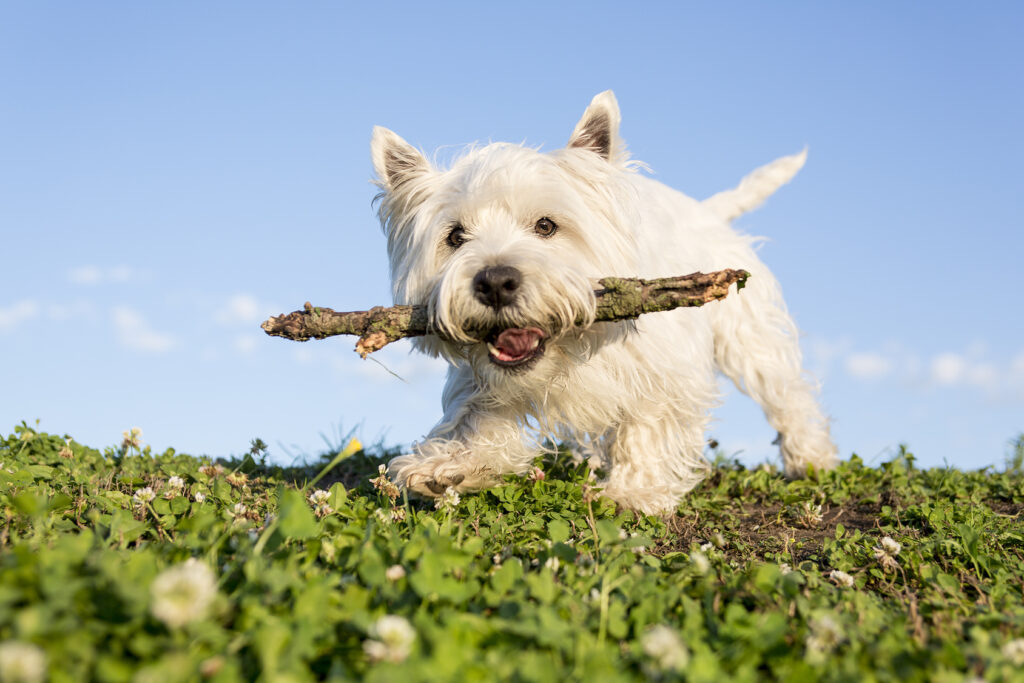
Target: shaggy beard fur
{"points": [[637, 393]]}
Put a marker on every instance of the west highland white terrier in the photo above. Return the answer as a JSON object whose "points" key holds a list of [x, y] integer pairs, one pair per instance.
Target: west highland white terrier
{"points": [[506, 247]]}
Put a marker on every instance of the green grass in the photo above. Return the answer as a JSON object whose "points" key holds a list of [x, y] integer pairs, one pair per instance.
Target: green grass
{"points": [[531, 581]]}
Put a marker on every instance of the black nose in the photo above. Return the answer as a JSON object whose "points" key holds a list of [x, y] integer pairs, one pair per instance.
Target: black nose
{"points": [[497, 286]]}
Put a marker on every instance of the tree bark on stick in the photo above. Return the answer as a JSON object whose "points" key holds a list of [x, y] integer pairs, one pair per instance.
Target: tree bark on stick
{"points": [[618, 298]]}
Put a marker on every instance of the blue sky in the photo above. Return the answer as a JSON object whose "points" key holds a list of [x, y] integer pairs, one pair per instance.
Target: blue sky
{"points": [[171, 174]]}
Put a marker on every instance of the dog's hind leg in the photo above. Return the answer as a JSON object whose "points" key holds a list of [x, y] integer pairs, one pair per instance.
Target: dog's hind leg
{"points": [[655, 459], [757, 347]]}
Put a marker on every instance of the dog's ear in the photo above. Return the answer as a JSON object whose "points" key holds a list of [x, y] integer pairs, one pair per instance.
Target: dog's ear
{"points": [[598, 130], [395, 160]]}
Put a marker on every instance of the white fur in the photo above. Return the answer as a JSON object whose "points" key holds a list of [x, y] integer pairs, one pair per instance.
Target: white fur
{"points": [[640, 392]]}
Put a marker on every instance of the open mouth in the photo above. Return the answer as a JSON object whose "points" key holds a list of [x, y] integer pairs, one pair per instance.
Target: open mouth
{"points": [[515, 347]]}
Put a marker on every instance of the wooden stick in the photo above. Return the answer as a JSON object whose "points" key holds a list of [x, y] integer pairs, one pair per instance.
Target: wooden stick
{"points": [[618, 298]]}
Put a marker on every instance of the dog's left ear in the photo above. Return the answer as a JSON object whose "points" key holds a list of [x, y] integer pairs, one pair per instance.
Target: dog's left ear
{"points": [[395, 160], [598, 130]]}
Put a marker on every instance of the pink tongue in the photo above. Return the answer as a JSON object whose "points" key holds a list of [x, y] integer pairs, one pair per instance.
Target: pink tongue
{"points": [[516, 343]]}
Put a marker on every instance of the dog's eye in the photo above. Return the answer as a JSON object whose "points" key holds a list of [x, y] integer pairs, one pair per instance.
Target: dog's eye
{"points": [[456, 236], [545, 227]]}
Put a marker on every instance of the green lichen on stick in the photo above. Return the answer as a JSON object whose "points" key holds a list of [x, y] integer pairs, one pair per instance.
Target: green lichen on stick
{"points": [[616, 299]]}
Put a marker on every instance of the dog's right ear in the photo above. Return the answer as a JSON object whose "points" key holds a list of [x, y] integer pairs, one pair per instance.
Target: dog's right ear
{"points": [[395, 160], [598, 130]]}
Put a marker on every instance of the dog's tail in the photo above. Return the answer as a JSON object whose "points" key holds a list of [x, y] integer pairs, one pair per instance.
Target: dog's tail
{"points": [[756, 187]]}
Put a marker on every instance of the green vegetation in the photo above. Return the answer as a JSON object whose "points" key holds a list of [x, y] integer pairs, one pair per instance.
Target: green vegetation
{"points": [[129, 565]]}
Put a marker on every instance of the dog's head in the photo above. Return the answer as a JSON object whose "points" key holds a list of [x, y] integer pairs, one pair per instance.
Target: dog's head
{"points": [[505, 246]]}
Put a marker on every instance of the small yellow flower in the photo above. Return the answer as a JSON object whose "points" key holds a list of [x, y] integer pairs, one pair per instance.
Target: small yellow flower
{"points": [[353, 447]]}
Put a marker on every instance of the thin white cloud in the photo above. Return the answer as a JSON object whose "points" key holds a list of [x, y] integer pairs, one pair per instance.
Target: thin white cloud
{"points": [[135, 333], [1017, 364], [971, 369], [245, 343], [241, 309], [64, 312], [17, 313], [948, 369], [94, 275], [953, 369], [822, 353], [867, 366]]}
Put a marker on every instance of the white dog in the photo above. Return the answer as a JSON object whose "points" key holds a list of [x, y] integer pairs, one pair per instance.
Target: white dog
{"points": [[506, 248]]}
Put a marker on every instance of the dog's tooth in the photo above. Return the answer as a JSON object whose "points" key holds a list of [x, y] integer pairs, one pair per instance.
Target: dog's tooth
{"points": [[491, 349], [535, 343]]}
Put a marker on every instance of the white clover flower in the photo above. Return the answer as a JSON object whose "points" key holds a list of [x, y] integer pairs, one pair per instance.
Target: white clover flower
{"points": [[393, 639], [144, 495], [65, 450], [212, 470], [449, 499], [886, 553], [784, 568], [132, 438], [496, 559], [841, 578], [183, 593], [811, 515], [890, 546], [395, 572], [319, 496], [826, 634], [383, 484], [319, 500], [700, 561], [397, 514], [665, 647], [200, 496], [1014, 651], [553, 564], [239, 510], [22, 662], [175, 482], [704, 547]]}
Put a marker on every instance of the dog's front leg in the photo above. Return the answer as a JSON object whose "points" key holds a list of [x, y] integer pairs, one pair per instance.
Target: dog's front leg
{"points": [[476, 442]]}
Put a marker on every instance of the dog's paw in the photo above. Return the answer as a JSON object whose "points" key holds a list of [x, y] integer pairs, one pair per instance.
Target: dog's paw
{"points": [[432, 476]]}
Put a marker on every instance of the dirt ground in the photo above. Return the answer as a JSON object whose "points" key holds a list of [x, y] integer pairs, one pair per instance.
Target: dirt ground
{"points": [[766, 529]]}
